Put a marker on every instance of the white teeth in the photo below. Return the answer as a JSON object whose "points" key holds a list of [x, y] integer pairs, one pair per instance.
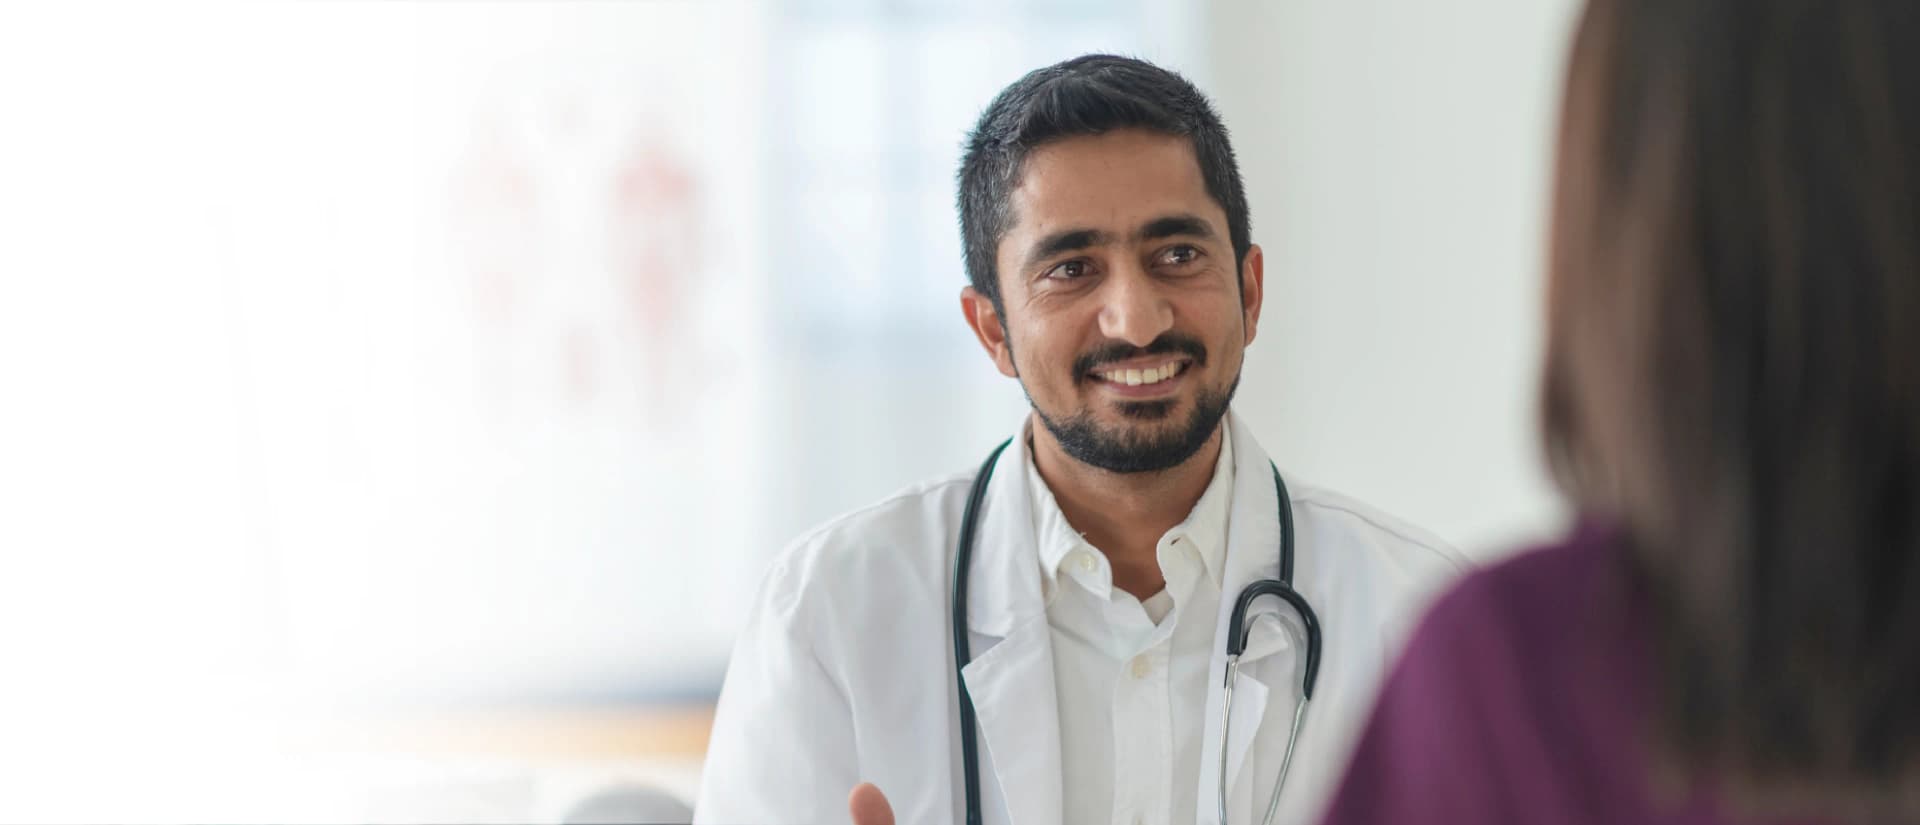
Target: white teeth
{"points": [[1134, 378]]}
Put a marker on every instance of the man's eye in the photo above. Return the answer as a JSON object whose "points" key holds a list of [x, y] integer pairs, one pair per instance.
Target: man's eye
{"points": [[1069, 270], [1180, 255]]}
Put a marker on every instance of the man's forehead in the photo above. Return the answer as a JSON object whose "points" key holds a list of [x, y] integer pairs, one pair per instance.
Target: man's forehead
{"points": [[1115, 181]]}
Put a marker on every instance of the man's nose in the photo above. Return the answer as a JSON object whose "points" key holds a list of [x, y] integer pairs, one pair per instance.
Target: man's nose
{"points": [[1132, 309]]}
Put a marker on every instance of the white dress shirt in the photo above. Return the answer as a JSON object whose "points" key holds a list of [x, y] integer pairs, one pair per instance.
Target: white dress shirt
{"points": [[1132, 676]]}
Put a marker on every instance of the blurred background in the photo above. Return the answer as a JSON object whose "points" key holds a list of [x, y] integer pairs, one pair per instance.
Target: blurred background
{"points": [[400, 399]]}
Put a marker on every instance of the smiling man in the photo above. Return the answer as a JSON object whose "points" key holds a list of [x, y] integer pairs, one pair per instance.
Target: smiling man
{"points": [[1046, 639]]}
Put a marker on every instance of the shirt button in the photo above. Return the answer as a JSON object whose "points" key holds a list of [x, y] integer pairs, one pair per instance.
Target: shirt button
{"points": [[1086, 562], [1142, 667]]}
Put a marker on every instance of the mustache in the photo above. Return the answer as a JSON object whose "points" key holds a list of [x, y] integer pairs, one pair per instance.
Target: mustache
{"points": [[1168, 344]]}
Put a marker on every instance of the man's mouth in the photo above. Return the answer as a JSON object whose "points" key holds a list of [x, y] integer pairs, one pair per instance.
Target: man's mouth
{"points": [[1136, 376], [1140, 376]]}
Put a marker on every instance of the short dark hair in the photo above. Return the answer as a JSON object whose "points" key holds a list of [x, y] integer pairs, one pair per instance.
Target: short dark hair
{"points": [[1088, 95], [1733, 377]]}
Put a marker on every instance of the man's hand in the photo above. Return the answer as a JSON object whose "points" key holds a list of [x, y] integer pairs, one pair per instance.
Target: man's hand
{"points": [[869, 806]]}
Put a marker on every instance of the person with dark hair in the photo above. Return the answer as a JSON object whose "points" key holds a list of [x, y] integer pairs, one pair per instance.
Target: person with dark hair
{"points": [[1731, 397], [1047, 639]]}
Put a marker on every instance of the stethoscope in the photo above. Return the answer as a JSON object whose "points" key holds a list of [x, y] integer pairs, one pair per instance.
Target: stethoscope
{"points": [[1236, 643]]}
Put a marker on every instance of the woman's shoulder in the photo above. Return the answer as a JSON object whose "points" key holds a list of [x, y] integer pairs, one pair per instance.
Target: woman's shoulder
{"points": [[1536, 631], [1515, 678], [1536, 596]]}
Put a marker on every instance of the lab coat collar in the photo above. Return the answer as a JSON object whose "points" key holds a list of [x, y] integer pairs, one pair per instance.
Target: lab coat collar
{"points": [[1253, 537], [1004, 587], [1011, 676]]}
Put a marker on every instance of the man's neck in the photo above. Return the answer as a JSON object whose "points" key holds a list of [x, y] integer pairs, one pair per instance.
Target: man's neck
{"points": [[1125, 514]]}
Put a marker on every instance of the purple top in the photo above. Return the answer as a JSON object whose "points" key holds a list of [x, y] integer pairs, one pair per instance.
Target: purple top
{"points": [[1522, 698]]}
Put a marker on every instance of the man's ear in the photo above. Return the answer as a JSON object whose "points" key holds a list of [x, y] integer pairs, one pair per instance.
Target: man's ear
{"points": [[986, 325], [1252, 288]]}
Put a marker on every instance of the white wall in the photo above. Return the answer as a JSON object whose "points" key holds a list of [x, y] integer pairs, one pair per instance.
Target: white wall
{"points": [[1397, 158]]}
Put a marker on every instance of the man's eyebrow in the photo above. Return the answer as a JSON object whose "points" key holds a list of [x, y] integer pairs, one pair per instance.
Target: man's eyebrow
{"points": [[1173, 225], [1065, 241]]}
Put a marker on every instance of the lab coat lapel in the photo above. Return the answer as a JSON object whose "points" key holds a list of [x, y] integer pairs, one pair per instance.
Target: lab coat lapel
{"points": [[1011, 675], [1013, 698], [1253, 552]]}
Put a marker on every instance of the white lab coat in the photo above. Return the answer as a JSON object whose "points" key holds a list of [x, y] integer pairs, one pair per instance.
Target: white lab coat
{"points": [[844, 672]]}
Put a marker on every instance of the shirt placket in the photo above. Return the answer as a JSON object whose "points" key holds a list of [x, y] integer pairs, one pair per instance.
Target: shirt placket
{"points": [[1143, 733]]}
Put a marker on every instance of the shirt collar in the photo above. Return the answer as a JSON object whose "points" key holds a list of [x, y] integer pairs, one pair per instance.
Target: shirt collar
{"points": [[1205, 526], [1056, 539]]}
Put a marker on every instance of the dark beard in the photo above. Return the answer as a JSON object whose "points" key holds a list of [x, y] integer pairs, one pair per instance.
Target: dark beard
{"points": [[1114, 452]]}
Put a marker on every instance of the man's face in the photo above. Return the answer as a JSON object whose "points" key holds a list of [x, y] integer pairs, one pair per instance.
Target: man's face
{"points": [[1123, 312]]}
